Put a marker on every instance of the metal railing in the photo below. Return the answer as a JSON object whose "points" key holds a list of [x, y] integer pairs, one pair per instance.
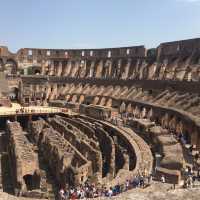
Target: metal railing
{"points": [[27, 111]]}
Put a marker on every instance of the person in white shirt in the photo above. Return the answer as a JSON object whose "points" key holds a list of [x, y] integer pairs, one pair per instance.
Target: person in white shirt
{"points": [[163, 179], [110, 192], [62, 197]]}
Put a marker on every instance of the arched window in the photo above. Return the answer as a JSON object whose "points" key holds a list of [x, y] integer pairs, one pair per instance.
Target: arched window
{"points": [[66, 54], [83, 53], [91, 53], [48, 53], [128, 51], [30, 52], [109, 54]]}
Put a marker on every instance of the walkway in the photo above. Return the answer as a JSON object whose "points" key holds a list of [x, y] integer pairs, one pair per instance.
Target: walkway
{"points": [[17, 109]]}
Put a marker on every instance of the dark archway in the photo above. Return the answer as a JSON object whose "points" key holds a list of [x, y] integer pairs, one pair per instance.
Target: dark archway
{"points": [[37, 72], [13, 94], [32, 181], [28, 179]]}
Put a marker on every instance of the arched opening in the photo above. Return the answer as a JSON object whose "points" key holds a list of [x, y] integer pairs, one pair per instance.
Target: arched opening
{"points": [[37, 72], [28, 179], [10, 67], [32, 181], [13, 94]]}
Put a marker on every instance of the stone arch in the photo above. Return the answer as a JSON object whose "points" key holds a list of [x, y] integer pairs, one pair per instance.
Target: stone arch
{"points": [[14, 93], [10, 66], [32, 181], [37, 71], [28, 180], [88, 70]]}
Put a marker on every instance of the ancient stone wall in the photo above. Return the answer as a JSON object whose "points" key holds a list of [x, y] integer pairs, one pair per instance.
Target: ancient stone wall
{"points": [[23, 160]]}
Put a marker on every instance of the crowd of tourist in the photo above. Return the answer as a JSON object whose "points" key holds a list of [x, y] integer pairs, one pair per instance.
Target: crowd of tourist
{"points": [[24, 110], [88, 190], [190, 176]]}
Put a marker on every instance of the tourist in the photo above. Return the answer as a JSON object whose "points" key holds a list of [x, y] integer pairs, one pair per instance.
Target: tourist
{"points": [[163, 179], [82, 194], [74, 195], [117, 189], [78, 193], [71, 190], [61, 194], [135, 182], [127, 185], [141, 180], [110, 192], [66, 194]]}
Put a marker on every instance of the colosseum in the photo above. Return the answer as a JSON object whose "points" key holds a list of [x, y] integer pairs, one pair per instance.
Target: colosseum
{"points": [[78, 123]]}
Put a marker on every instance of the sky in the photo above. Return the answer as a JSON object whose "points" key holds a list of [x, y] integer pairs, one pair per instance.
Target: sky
{"points": [[65, 24]]}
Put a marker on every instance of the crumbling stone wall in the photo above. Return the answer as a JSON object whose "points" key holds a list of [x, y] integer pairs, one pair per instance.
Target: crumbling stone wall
{"points": [[67, 164], [22, 158]]}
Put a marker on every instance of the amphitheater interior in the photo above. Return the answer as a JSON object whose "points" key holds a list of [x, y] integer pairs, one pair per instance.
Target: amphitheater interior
{"points": [[123, 112]]}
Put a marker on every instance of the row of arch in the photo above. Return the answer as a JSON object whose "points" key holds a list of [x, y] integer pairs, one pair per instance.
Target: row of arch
{"points": [[166, 118]]}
